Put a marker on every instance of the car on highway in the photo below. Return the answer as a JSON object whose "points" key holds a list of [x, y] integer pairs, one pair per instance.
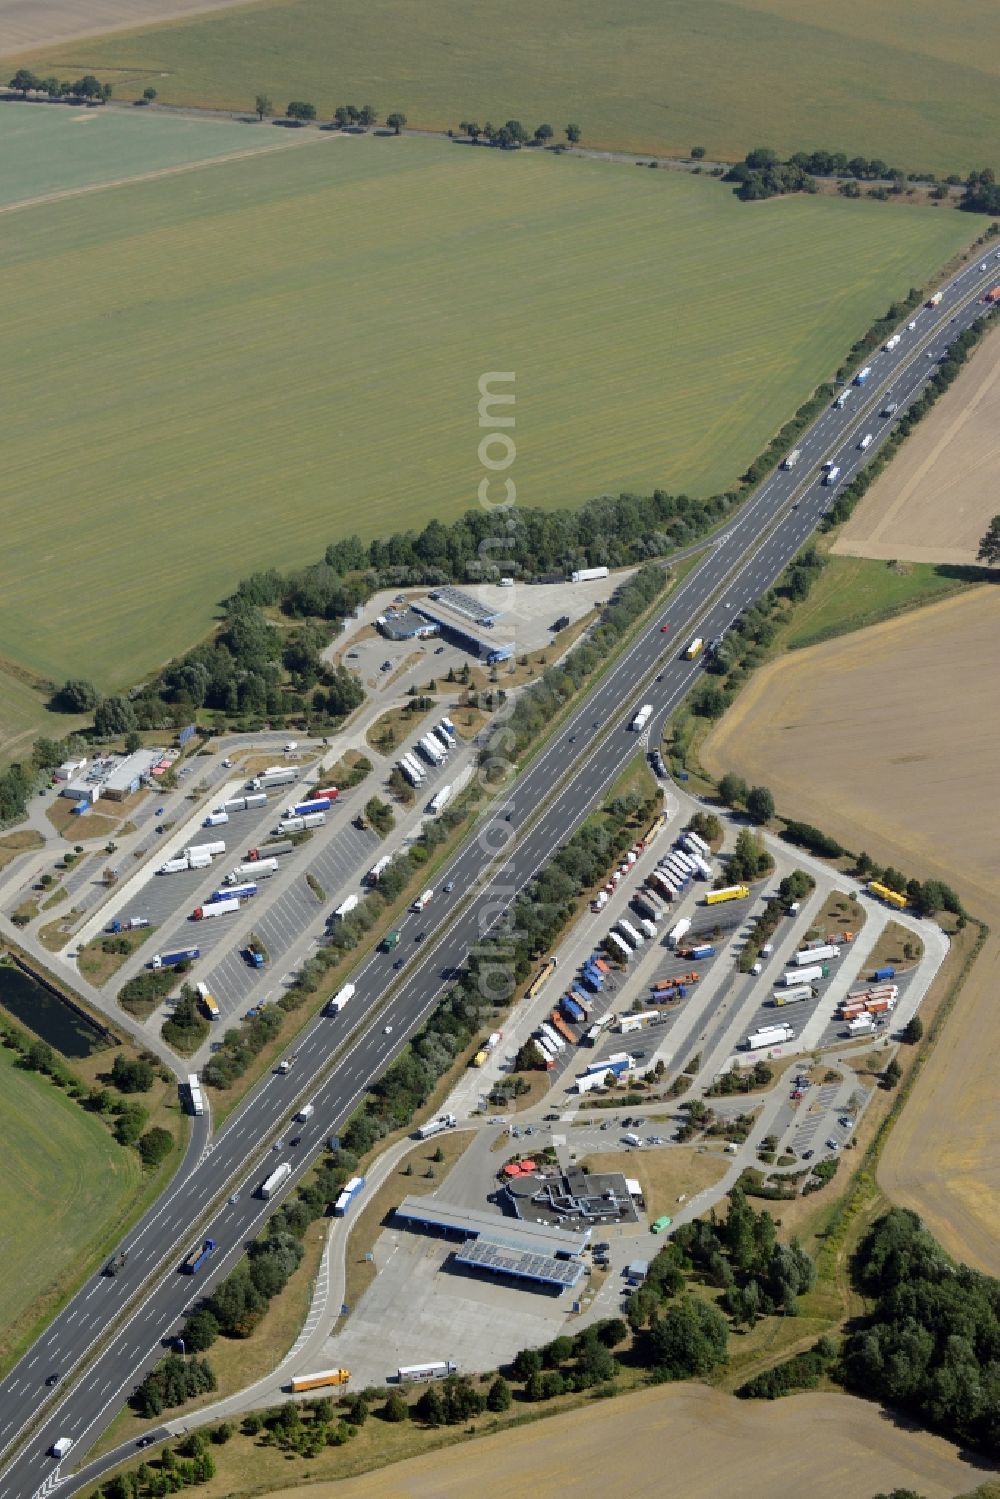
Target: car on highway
{"points": [[664, 629], [449, 886], [295, 1140], [234, 1198], [278, 1145], [420, 937], [52, 1379], [387, 1030]]}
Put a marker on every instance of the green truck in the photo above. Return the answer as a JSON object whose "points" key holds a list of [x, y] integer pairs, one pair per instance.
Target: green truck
{"points": [[390, 940]]}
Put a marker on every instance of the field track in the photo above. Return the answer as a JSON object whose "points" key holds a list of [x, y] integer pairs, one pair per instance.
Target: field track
{"points": [[59, 194]]}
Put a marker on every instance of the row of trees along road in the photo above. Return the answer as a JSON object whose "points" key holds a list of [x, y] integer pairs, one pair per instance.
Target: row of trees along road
{"points": [[512, 135], [25, 82], [346, 116]]}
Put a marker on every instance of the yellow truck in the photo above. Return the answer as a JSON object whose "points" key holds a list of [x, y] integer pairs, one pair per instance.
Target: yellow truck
{"points": [[730, 892], [694, 649], [302, 1382]]}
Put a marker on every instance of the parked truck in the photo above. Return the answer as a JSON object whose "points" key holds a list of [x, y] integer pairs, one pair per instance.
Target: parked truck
{"points": [[632, 937], [346, 907], [260, 869], [235, 892], [302, 1382], [254, 956], [216, 908], [299, 824], [861, 1025], [702, 950], [131, 924], [678, 932], [431, 751], [881, 974], [796, 976], [436, 1126], [816, 954], [198, 1257], [271, 1183], [215, 819], [173, 959], [269, 851], [174, 866], [205, 850], [769, 1035], [794, 995], [729, 892], [439, 800], [307, 808], [275, 775]]}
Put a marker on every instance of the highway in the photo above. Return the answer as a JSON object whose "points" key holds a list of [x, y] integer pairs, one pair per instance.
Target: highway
{"points": [[581, 761]]}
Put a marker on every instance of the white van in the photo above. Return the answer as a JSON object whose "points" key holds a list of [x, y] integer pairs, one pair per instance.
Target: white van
{"points": [[61, 1446], [291, 746], [631, 1139]]}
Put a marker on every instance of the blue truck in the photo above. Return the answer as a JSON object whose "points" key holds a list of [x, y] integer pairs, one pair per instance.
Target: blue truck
{"points": [[347, 1196], [198, 1257], [572, 1010], [883, 973], [863, 375], [254, 956], [704, 950], [172, 959]]}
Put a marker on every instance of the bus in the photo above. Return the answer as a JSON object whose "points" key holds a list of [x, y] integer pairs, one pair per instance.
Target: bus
{"points": [[411, 1373]]}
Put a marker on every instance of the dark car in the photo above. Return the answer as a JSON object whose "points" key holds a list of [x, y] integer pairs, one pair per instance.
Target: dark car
{"points": [[295, 1140], [420, 937], [52, 1379], [551, 1118]]}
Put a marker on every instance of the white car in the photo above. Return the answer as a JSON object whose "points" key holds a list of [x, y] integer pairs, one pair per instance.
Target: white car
{"points": [[387, 1031]]}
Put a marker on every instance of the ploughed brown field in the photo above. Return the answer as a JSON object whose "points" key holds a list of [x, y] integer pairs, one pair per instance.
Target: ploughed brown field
{"points": [[936, 499], [684, 1442], [887, 739]]}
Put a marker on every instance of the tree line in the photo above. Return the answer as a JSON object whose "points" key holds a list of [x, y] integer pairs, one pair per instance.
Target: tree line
{"points": [[512, 135], [25, 82], [346, 116], [763, 174]]}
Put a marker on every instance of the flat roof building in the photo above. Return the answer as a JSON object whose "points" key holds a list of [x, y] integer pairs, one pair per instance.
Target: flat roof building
{"points": [[126, 776], [576, 1199], [524, 1251]]}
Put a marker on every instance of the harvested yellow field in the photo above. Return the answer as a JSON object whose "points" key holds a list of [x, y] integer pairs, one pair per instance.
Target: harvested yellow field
{"points": [[686, 1441], [935, 500], [43, 23], [887, 739]]}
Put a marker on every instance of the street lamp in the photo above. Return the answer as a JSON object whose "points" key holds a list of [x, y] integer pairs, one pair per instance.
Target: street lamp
{"points": [[180, 1344]]}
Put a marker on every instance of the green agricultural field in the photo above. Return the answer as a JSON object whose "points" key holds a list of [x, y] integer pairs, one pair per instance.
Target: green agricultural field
{"points": [[912, 81], [51, 149], [66, 1182], [24, 716], [225, 369]]}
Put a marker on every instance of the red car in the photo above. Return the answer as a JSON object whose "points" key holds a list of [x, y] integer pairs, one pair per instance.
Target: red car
{"points": [[664, 629]]}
